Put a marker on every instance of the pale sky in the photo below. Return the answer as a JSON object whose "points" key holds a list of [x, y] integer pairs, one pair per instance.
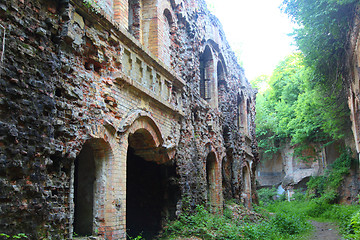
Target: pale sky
{"points": [[257, 32]]}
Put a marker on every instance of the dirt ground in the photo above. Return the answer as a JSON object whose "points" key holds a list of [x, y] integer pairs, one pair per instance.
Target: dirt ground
{"points": [[325, 231]]}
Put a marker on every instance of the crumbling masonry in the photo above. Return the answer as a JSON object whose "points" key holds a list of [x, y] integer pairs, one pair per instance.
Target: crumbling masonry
{"points": [[116, 114]]}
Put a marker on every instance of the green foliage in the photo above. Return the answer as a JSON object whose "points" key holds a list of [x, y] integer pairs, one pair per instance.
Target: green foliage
{"points": [[20, 236], [261, 83], [321, 105], [205, 225], [16, 236], [266, 195], [354, 227], [4, 235], [322, 31], [326, 186], [306, 99], [321, 194], [93, 5], [298, 195], [295, 107], [290, 224], [135, 238], [322, 211]]}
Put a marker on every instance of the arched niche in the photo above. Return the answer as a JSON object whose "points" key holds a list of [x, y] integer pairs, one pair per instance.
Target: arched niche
{"points": [[167, 25], [246, 182], [227, 176], [90, 179], [211, 178]]}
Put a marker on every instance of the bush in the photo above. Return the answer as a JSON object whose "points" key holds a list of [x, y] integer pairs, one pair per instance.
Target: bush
{"points": [[290, 224], [267, 195]]}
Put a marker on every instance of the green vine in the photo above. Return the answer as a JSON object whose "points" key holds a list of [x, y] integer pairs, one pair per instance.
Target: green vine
{"points": [[17, 236], [93, 5]]}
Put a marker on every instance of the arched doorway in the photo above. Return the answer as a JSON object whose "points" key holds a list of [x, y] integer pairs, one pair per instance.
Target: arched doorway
{"points": [[151, 189], [211, 178]]}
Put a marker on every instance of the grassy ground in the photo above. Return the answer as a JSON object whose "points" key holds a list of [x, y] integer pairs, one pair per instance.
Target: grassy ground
{"points": [[275, 220], [343, 215]]}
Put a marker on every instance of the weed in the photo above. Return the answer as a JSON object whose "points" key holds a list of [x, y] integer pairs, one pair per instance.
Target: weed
{"points": [[17, 236]]}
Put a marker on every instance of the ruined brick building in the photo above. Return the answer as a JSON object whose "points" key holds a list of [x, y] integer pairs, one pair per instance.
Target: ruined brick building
{"points": [[115, 114]]}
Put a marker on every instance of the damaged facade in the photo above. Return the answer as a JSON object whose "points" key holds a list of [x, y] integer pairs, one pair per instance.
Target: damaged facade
{"points": [[116, 114]]}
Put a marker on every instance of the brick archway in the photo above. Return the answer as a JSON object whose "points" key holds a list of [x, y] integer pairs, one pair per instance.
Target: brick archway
{"points": [[148, 197], [141, 141]]}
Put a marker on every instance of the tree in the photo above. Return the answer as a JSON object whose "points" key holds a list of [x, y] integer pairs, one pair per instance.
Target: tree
{"points": [[296, 107]]}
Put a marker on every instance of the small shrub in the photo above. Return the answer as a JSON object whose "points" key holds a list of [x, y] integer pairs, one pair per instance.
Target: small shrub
{"points": [[290, 224]]}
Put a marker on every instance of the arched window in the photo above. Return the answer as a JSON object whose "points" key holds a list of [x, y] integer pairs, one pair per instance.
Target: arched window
{"points": [[166, 36], [206, 74], [248, 117], [241, 112], [221, 82], [134, 19]]}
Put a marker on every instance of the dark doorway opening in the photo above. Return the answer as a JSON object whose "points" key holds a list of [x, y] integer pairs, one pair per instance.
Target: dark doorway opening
{"points": [[84, 191], [152, 193]]}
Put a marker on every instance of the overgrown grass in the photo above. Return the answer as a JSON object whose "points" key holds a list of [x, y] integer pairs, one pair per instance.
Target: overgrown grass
{"points": [[205, 225], [280, 219], [347, 216]]}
